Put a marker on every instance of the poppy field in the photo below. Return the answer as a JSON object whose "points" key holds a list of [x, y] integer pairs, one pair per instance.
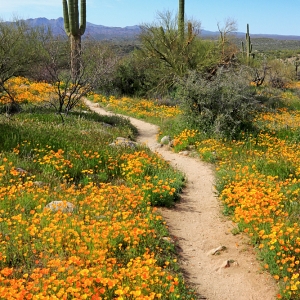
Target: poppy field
{"points": [[258, 181], [113, 244]]}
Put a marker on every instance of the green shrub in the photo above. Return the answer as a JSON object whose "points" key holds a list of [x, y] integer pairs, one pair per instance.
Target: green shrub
{"points": [[221, 106]]}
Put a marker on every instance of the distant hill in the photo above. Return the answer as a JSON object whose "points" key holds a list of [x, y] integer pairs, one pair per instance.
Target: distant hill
{"points": [[102, 32], [241, 35], [98, 32]]}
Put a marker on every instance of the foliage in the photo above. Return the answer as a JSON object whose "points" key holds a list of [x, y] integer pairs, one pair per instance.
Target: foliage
{"points": [[221, 106], [96, 66], [25, 91], [20, 47], [258, 182], [227, 47], [131, 77], [281, 73], [113, 245], [170, 54], [151, 110], [173, 55]]}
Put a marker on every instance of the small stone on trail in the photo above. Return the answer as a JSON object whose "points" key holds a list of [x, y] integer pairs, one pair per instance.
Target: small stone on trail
{"points": [[217, 250], [165, 140], [185, 153], [227, 264]]}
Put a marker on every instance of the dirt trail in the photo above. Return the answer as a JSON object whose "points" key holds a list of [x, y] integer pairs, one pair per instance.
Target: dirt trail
{"points": [[198, 226]]}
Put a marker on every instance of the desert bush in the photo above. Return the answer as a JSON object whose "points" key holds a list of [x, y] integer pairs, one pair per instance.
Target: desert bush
{"points": [[170, 56], [20, 48], [96, 67], [280, 74], [132, 78], [221, 106]]}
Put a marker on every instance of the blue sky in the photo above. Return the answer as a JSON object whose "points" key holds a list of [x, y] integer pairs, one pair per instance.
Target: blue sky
{"points": [[263, 16]]}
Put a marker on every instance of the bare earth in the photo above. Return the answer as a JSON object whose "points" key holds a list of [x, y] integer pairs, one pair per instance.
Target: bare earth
{"points": [[199, 228]]}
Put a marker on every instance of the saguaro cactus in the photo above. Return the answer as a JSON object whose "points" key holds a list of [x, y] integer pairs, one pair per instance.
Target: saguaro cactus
{"points": [[249, 53], [181, 19], [74, 30]]}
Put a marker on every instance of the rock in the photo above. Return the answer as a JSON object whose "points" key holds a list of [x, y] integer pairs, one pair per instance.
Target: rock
{"points": [[63, 206], [227, 264], [185, 153], [217, 250], [124, 142], [106, 125], [121, 139], [165, 140], [39, 183], [21, 171], [234, 263], [168, 239]]}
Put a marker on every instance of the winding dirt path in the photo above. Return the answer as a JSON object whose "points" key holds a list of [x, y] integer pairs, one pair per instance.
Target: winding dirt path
{"points": [[198, 227]]}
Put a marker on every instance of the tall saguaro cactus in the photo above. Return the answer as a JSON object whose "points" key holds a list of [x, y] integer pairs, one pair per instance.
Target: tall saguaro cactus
{"points": [[74, 30], [249, 53], [181, 19]]}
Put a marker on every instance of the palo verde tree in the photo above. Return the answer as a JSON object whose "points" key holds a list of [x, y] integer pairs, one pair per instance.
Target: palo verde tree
{"points": [[162, 44], [74, 30]]}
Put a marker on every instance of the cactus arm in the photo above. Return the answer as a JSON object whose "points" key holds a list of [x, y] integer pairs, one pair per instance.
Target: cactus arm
{"points": [[71, 17], [83, 17], [66, 17], [181, 19], [243, 48]]}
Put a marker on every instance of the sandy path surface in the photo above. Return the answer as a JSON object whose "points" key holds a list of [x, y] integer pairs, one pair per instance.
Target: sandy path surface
{"points": [[198, 227]]}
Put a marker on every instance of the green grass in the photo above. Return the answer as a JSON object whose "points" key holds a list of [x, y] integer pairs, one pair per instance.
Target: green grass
{"points": [[258, 181], [69, 161]]}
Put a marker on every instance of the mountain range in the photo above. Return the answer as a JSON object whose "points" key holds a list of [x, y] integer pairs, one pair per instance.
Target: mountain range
{"points": [[98, 32], [101, 32]]}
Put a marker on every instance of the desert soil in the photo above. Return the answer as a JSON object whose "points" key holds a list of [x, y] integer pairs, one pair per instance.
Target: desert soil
{"points": [[199, 229]]}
